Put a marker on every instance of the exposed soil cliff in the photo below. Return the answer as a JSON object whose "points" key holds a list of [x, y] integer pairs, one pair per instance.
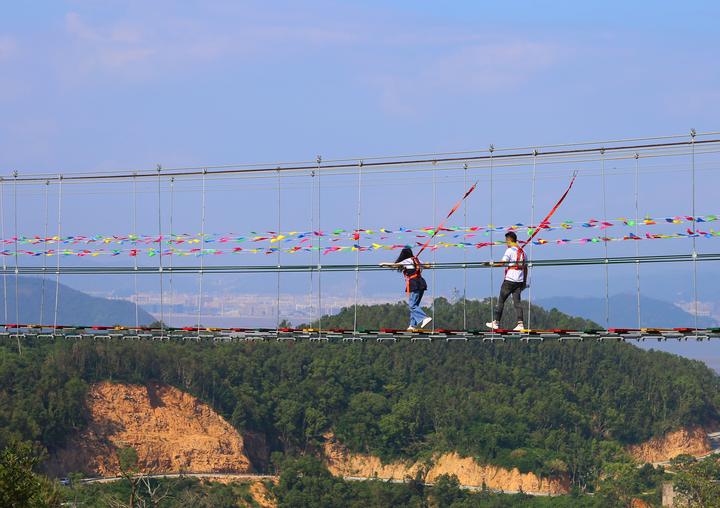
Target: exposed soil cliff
{"points": [[341, 462], [690, 440], [171, 431]]}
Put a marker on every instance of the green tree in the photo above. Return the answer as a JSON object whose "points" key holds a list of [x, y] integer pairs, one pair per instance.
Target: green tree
{"points": [[20, 486], [306, 483], [622, 482], [128, 464], [446, 491], [401, 427], [359, 425], [697, 481]]}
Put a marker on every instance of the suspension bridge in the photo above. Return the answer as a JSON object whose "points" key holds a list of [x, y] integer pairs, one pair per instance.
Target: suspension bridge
{"points": [[364, 200]]}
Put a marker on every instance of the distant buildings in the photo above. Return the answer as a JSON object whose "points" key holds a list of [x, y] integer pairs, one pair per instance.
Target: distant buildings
{"points": [[241, 309]]}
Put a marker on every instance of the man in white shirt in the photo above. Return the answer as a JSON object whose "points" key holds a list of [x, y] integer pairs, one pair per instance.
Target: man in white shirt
{"points": [[515, 281]]}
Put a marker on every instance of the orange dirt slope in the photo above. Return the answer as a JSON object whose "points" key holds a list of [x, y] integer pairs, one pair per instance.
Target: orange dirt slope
{"points": [[690, 440], [171, 431], [341, 462]]}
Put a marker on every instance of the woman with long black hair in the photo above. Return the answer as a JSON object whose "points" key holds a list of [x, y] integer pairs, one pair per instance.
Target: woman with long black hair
{"points": [[415, 286]]}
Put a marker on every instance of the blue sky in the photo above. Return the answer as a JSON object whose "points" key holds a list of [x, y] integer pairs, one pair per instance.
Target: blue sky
{"points": [[88, 85]]}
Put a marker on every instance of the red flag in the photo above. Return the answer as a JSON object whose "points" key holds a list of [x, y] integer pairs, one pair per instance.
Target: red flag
{"points": [[452, 211], [546, 220]]}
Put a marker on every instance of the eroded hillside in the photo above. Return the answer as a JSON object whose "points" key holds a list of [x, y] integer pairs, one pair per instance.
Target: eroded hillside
{"points": [[342, 462], [691, 441], [171, 431]]}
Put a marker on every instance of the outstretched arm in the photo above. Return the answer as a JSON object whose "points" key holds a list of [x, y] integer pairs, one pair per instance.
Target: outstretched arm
{"points": [[503, 262], [400, 265]]}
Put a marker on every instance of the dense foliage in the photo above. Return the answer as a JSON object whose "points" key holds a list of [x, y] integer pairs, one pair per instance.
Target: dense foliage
{"points": [[697, 482], [452, 316], [305, 483], [166, 493], [20, 485], [550, 408], [41, 398]]}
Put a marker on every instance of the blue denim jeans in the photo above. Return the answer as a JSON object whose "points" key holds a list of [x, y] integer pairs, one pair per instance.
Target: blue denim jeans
{"points": [[416, 313]]}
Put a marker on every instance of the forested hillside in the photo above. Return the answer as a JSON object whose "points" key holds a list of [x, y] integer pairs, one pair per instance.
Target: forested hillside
{"points": [[449, 315], [550, 408]]}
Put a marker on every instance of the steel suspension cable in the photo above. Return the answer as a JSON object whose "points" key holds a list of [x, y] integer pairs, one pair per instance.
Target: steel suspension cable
{"points": [[160, 255], [57, 254], [114, 270], [389, 162], [172, 210], [4, 264], [357, 250], [491, 227], [637, 233], [45, 242], [605, 244], [694, 231], [544, 159], [135, 257], [202, 257], [279, 227], [379, 177], [434, 251], [319, 246], [465, 223], [17, 271], [312, 229], [532, 224], [436, 155]]}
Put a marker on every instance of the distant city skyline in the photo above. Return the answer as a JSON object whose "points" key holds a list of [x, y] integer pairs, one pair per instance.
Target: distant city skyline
{"points": [[248, 309], [227, 309]]}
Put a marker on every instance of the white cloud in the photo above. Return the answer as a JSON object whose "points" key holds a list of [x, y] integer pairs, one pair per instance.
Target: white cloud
{"points": [[404, 67], [469, 68], [118, 34], [116, 48], [135, 50], [491, 66]]}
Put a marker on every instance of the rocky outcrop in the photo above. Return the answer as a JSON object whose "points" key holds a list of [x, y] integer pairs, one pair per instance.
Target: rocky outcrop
{"points": [[341, 462], [690, 440], [171, 431]]}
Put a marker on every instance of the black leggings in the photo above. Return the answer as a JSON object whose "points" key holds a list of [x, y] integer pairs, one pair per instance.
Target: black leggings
{"points": [[510, 288]]}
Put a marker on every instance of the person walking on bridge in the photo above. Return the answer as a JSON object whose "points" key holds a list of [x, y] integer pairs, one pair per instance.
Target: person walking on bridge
{"points": [[415, 286], [515, 281]]}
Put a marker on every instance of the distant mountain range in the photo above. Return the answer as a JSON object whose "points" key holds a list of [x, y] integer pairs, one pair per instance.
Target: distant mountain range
{"points": [[74, 307], [653, 313], [623, 311]]}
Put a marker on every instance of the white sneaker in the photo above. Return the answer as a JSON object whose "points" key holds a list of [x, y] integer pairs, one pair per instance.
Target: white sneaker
{"points": [[412, 329], [425, 322], [493, 325], [520, 327]]}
